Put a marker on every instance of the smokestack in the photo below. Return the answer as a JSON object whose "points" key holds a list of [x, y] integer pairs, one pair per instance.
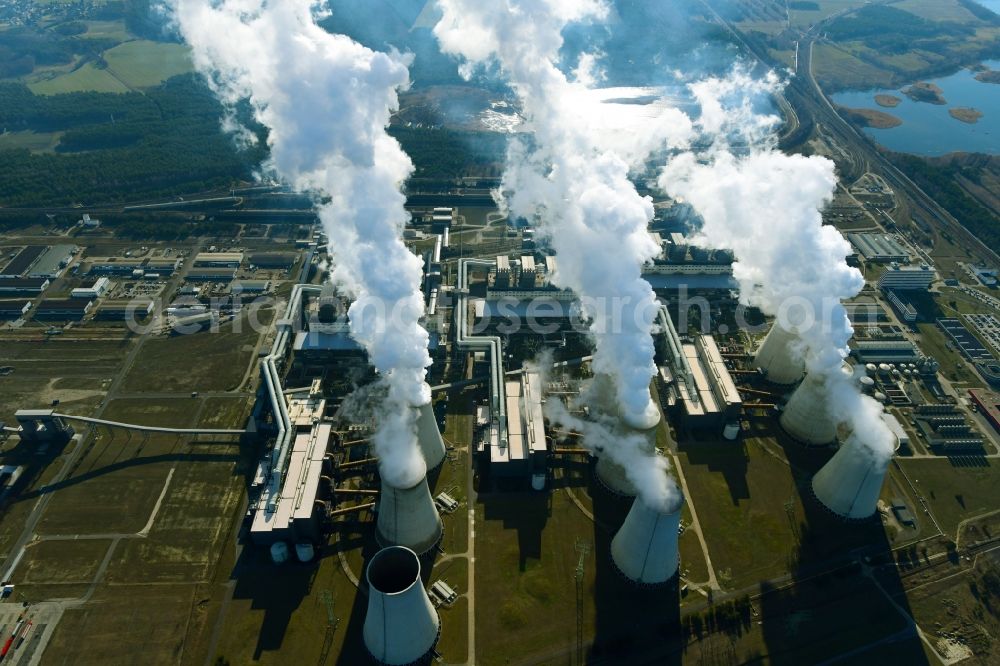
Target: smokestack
{"points": [[850, 482], [807, 415], [407, 517], [401, 625], [777, 358], [429, 437], [645, 548]]}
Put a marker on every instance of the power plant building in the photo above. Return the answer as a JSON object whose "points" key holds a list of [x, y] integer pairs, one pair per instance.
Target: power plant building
{"points": [[290, 513], [525, 450], [902, 278], [695, 381], [879, 248]]}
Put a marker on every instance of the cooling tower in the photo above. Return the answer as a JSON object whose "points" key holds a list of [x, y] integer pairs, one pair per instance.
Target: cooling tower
{"points": [[601, 398], [777, 359], [407, 517], [807, 417], [612, 475], [429, 437], [850, 483], [401, 625], [645, 548]]}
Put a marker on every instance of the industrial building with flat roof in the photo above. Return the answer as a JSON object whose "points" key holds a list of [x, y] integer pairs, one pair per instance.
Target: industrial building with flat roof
{"points": [[885, 351], [968, 344], [92, 289], [273, 259], [210, 275], [22, 261], [14, 309], [907, 277], [53, 261], [63, 309], [130, 266], [879, 248], [250, 286], [988, 404], [218, 259], [124, 310], [30, 286]]}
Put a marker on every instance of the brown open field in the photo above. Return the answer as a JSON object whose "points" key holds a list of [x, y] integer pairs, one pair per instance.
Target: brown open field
{"points": [[955, 492], [76, 371], [205, 361]]}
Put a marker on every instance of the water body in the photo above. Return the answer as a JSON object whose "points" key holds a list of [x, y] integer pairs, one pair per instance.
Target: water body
{"points": [[928, 129]]}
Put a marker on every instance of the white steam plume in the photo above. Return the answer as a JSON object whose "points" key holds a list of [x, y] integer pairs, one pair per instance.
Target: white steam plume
{"points": [[326, 101], [766, 206], [572, 175], [602, 435]]}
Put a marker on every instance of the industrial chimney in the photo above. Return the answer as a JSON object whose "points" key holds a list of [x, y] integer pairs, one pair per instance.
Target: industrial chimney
{"points": [[407, 517], [401, 625], [777, 358], [850, 482], [429, 437], [645, 548], [807, 416]]}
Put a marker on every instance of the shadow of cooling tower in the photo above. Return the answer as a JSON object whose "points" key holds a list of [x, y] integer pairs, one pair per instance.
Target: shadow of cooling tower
{"points": [[632, 624], [844, 601]]}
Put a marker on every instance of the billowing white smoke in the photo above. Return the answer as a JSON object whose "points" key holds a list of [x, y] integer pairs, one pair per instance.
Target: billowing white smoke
{"points": [[572, 175], [326, 101], [765, 207], [603, 436]]}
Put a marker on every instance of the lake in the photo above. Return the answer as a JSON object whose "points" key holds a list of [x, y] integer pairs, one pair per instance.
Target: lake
{"points": [[928, 129]]}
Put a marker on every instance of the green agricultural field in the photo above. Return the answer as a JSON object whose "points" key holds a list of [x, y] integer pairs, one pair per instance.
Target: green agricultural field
{"points": [[110, 30], [142, 63], [807, 17], [937, 10], [837, 69], [36, 142], [86, 78]]}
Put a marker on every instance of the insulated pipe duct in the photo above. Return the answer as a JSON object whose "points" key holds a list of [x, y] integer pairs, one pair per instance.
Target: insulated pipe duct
{"points": [[776, 357], [807, 416], [401, 625], [498, 408], [429, 437], [645, 548], [849, 484], [407, 517]]}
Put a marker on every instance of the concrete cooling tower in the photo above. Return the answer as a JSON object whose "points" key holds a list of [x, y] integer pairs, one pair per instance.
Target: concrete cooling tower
{"points": [[429, 437], [407, 517], [850, 483], [602, 401], [401, 625], [645, 548], [612, 475], [777, 358], [807, 416]]}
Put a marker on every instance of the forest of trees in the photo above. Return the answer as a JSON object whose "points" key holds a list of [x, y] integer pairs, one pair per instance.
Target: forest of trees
{"points": [[121, 147], [939, 183]]}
